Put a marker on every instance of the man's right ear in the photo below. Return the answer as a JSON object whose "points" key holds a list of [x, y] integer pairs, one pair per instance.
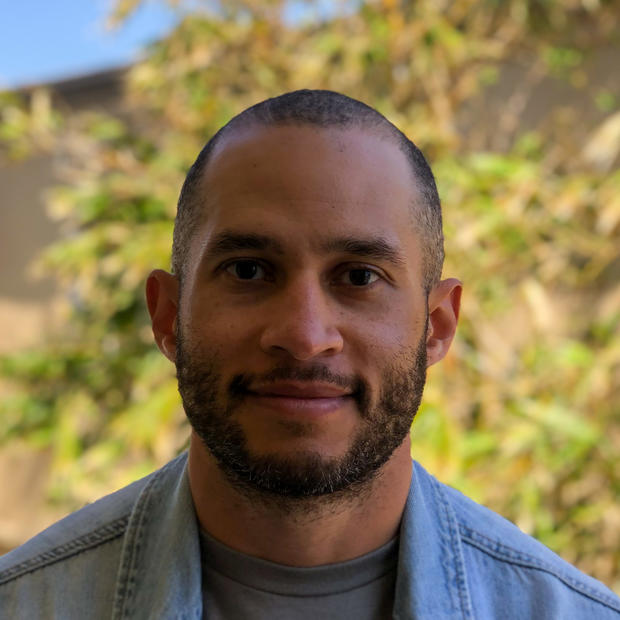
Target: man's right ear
{"points": [[162, 290]]}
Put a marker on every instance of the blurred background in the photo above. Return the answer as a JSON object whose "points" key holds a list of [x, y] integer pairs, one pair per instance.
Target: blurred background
{"points": [[516, 103]]}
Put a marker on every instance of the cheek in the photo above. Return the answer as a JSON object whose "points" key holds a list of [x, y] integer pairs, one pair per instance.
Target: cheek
{"points": [[382, 343], [217, 332], [206, 315], [395, 326]]}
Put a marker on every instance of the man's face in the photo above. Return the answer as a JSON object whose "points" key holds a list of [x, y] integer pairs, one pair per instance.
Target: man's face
{"points": [[301, 352]]}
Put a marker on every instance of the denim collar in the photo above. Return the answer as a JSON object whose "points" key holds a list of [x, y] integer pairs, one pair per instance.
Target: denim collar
{"points": [[159, 574], [160, 563], [432, 581]]}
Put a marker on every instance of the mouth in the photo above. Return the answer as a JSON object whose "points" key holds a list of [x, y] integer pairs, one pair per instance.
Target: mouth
{"points": [[314, 399], [295, 389]]}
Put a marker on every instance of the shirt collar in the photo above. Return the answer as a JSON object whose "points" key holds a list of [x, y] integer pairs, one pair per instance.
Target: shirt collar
{"points": [[160, 572], [432, 581]]}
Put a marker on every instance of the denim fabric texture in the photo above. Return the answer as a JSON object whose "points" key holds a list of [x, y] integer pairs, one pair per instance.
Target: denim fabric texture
{"points": [[136, 554]]}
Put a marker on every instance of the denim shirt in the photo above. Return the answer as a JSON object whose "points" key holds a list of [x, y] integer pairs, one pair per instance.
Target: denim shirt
{"points": [[136, 554]]}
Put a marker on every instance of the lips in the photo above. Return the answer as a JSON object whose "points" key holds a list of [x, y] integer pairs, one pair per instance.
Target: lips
{"points": [[301, 390], [300, 399]]}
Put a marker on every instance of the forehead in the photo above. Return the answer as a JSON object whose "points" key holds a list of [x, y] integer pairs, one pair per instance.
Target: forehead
{"points": [[325, 164], [305, 185]]}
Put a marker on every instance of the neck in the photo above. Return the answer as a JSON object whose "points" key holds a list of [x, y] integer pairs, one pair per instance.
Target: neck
{"points": [[300, 532]]}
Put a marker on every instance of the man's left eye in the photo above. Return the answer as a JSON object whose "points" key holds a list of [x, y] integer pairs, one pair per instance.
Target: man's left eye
{"points": [[360, 277]]}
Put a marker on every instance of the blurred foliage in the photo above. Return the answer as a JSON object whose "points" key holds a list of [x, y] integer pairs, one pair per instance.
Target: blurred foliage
{"points": [[523, 415], [26, 128]]}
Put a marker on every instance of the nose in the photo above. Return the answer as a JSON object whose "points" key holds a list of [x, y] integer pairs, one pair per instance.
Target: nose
{"points": [[302, 322]]}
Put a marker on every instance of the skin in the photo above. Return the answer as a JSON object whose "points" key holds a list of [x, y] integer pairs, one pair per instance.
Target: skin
{"points": [[303, 186]]}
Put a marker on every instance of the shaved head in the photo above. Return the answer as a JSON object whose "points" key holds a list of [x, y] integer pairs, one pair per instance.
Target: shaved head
{"points": [[323, 109]]}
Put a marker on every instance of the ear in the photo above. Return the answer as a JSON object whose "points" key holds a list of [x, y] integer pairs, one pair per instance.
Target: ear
{"points": [[162, 290], [444, 302]]}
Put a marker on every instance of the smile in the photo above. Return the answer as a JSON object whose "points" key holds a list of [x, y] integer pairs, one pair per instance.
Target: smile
{"points": [[295, 405], [300, 398]]}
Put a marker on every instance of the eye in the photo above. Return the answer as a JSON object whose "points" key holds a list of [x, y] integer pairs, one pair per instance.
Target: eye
{"points": [[359, 277], [246, 269]]}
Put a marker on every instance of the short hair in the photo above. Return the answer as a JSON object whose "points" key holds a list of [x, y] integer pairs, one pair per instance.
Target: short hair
{"points": [[319, 108]]}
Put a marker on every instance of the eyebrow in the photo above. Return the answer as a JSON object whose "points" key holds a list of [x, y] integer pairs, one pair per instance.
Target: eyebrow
{"points": [[376, 248], [228, 241]]}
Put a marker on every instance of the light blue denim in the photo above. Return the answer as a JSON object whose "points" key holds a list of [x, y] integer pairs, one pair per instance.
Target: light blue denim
{"points": [[136, 554]]}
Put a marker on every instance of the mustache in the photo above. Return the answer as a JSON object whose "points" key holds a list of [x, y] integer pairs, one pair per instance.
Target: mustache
{"points": [[239, 385]]}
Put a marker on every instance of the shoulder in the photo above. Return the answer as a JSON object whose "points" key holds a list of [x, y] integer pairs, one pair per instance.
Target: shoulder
{"points": [[506, 563], [88, 528], [55, 570], [71, 569]]}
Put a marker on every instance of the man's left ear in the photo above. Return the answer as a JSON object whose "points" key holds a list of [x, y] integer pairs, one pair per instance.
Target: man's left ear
{"points": [[444, 302]]}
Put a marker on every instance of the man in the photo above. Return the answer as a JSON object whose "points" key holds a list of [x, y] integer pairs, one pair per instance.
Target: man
{"points": [[305, 304]]}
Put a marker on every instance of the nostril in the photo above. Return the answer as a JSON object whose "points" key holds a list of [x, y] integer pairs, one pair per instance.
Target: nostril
{"points": [[301, 344]]}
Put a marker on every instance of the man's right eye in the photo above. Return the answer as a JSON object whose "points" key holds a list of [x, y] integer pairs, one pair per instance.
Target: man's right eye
{"points": [[246, 270]]}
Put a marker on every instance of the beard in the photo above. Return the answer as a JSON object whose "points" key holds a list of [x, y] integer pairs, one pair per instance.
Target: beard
{"points": [[210, 405]]}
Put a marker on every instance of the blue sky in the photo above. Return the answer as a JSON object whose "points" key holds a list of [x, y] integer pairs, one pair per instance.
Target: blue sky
{"points": [[45, 40], [48, 40]]}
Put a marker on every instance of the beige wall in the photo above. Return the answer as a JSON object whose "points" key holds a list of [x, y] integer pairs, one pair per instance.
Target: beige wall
{"points": [[24, 231]]}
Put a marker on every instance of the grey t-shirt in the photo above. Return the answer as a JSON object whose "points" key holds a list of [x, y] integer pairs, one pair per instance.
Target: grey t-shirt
{"points": [[236, 586]]}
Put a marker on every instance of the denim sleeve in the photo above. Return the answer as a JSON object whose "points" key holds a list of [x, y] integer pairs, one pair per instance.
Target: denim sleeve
{"points": [[513, 588], [76, 585]]}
